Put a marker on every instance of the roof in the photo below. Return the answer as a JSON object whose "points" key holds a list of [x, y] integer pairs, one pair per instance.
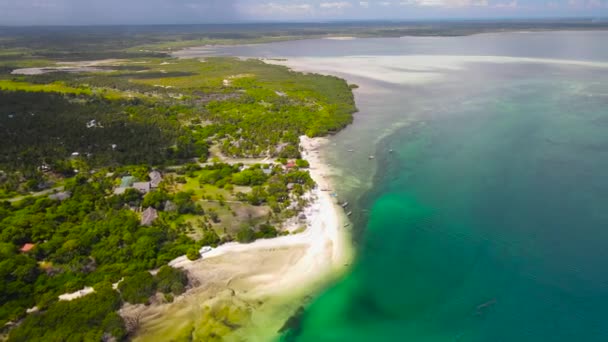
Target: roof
{"points": [[149, 216], [60, 196], [155, 178], [27, 247], [127, 181], [291, 164], [119, 191], [142, 186]]}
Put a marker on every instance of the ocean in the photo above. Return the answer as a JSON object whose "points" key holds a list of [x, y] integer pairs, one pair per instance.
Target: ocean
{"points": [[483, 215]]}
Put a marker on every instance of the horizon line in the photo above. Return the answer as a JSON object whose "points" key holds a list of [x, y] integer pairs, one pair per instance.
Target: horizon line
{"points": [[591, 19]]}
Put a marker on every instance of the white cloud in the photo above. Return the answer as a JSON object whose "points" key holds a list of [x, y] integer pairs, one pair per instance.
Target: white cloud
{"points": [[512, 4], [275, 8], [335, 5], [364, 4], [445, 3]]}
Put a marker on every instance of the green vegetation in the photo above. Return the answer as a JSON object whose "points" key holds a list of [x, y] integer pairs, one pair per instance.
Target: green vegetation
{"points": [[81, 241], [136, 289], [108, 126], [91, 318], [80, 140], [171, 280]]}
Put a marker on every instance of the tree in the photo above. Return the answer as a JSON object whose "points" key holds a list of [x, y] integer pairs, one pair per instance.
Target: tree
{"points": [[193, 254], [84, 319], [171, 280], [155, 199], [210, 238], [138, 288], [213, 215], [266, 231], [245, 235], [303, 164]]}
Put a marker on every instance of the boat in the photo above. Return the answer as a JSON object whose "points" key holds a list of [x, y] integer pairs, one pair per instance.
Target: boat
{"points": [[346, 225], [349, 213], [371, 157], [351, 150], [344, 205], [390, 151]]}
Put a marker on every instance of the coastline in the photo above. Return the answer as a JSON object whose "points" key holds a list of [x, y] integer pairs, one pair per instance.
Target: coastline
{"points": [[267, 281]]}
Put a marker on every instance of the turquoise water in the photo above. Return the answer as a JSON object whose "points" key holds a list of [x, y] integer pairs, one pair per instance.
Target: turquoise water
{"points": [[489, 220], [487, 224]]}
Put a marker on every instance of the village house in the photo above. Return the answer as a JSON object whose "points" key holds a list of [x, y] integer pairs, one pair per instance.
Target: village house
{"points": [[290, 164], [60, 196], [155, 179], [27, 247], [144, 187], [149, 216]]}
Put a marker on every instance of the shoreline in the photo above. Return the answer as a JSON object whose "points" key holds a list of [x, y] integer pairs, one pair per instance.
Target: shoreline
{"points": [[267, 280]]}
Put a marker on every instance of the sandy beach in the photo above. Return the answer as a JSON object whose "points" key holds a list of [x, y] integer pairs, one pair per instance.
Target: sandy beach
{"points": [[264, 282]]}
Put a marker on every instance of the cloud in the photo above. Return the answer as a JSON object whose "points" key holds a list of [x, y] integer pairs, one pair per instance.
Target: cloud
{"points": [[445, 3], [335, 5], [271, 9], [77, 12], [68, 12], [513, 4]]}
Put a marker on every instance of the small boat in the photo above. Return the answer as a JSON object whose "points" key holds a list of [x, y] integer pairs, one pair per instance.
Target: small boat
{"points": [[349, 213], [351, 150], [346, 225], [390, 151], [371, 157], [344, 205]]}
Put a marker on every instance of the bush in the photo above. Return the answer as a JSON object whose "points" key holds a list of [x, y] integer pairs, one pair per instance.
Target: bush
{"points": [[171, 280], [138, 288], [245, 235], [193, 254], [210, 238], [301, 163], [266, 231], [214, 216], [169, 298]]}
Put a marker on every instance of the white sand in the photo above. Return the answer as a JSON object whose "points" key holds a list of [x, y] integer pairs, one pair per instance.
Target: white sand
{"points": [[411, 69], [78, 294], [340, 38], [269, 277], [83, 66]]}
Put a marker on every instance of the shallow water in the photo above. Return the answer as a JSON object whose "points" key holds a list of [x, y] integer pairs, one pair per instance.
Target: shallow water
{"points": [[488, 221]]}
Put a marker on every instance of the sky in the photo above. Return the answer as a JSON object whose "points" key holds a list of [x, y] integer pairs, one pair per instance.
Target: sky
{"points": [[82, 12]]}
